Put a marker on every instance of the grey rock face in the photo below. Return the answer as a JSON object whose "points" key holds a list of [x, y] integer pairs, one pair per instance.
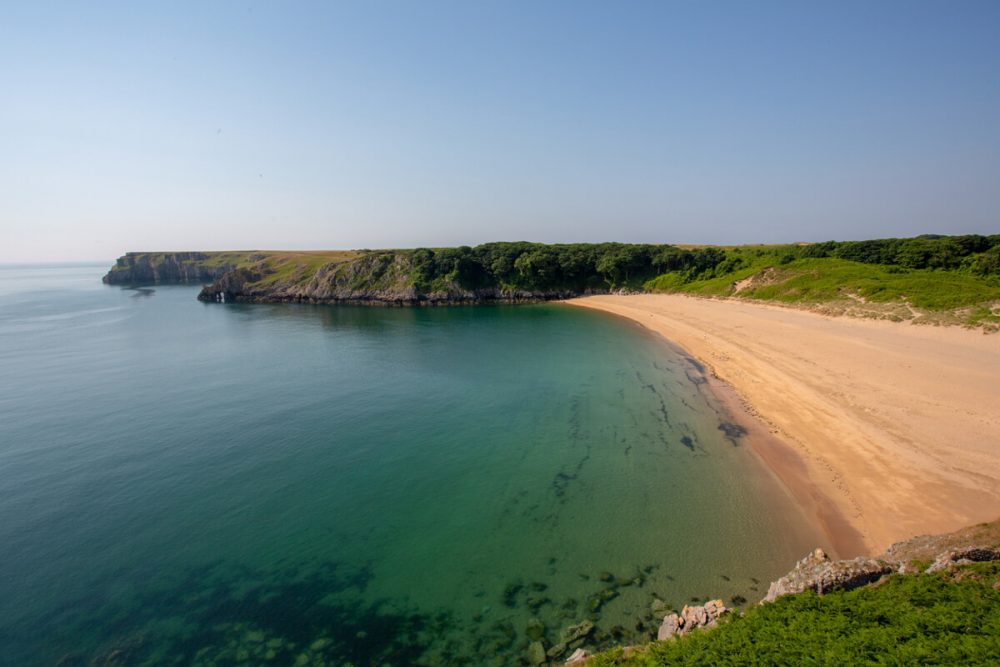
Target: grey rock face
{"points": [[535, 630], [818, 573], [962, 556], [691, 618], [670, 627], [694, 616], [715, 609], [163, 268]]}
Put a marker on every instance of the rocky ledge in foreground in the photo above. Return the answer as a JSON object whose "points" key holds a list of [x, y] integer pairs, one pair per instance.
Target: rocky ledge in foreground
{"points": [[816, 572], [951, 554]]}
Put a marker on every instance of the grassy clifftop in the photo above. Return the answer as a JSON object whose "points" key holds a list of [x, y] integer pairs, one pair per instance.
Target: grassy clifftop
{"points": [[182, 267]]}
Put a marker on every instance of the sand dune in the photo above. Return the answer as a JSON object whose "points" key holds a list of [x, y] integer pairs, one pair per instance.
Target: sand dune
{"points": [[898, 425]]}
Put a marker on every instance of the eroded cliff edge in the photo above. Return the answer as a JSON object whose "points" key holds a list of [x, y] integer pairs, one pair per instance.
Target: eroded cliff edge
{"points": [[164, 268]]}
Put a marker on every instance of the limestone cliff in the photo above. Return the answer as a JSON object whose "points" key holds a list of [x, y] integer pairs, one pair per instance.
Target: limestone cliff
{"points": [[144, 268]]}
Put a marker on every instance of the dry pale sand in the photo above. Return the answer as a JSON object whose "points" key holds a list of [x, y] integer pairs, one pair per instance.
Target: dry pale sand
{"points": [[896, 427]]}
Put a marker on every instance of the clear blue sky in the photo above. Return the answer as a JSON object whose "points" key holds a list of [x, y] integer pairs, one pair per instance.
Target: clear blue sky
{"points": [[213, 125]]}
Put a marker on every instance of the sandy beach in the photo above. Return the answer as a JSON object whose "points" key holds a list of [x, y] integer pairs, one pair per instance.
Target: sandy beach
{"points": [[889, 430]]}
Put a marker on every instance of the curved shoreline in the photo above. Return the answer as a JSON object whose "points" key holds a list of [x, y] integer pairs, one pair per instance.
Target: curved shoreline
{"points": [[879, 430], [779, 463], [843, 540]]}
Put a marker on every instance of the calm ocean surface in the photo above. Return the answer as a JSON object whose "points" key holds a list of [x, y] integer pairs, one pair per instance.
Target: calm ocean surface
{"points": [[188, 483]]}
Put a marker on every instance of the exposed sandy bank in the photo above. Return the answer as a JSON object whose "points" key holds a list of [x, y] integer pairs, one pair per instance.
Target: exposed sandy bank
{"points": [[896, 425]]}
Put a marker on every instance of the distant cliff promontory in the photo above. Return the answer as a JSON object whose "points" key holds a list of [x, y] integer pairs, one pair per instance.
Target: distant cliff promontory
{"points": [[941, 279], [154, 268], [495, 272]]}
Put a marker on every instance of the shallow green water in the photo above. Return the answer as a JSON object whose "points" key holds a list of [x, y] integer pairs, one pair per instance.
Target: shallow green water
{"points": [[219, 484]]}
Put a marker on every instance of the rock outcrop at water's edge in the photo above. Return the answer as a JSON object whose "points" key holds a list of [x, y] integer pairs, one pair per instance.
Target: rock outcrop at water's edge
{"points": [[691, 618], [371, 279]]}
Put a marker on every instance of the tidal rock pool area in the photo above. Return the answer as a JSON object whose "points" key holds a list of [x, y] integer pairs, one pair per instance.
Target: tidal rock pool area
{"points": [[190, 483]]}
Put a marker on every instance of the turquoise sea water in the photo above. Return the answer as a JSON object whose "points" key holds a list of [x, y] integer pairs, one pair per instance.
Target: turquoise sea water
{"points": [[189, 483]]}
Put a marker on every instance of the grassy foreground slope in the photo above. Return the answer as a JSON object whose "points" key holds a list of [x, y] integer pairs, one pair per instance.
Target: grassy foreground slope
{"points": [[950, 617]]}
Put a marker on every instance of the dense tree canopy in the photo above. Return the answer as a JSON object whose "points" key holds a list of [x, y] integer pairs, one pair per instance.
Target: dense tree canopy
{"points": [[600, 266]]}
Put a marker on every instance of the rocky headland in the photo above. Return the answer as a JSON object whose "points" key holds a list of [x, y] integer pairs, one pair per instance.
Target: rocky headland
{"points": [[364, 277], [165, 268]]}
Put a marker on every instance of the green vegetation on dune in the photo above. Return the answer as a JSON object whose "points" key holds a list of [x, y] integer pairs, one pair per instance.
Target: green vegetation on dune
{"points": [[828, 279], [929, 273], [949, 617]]}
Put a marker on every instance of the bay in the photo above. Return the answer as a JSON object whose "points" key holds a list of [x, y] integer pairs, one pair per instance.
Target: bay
{"points": [[191, 483]]}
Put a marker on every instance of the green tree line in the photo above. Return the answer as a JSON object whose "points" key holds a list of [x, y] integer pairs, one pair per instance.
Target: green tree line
{"points": [[574, 267], [980, 254], [578, 267]]}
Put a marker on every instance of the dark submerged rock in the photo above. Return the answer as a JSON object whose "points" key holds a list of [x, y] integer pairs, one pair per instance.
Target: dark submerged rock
{"points": [[510, 593], [535, 630]]}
